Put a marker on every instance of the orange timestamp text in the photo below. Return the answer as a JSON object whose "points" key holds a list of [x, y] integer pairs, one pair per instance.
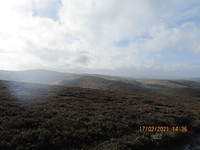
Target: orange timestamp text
{"points": [[163, 128]]}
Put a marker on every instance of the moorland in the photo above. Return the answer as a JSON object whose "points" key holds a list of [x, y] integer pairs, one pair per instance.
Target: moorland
{"points": [[39, 116]]}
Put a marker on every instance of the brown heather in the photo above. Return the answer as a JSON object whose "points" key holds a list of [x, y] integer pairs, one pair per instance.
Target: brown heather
{"points": [[34, 116]]}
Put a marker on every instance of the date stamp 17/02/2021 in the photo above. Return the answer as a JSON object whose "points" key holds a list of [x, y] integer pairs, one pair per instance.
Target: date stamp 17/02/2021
{"points": [[163, 128]]}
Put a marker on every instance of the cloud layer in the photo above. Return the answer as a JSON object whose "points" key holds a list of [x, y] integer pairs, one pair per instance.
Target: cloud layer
{"points": [[130, 37]]}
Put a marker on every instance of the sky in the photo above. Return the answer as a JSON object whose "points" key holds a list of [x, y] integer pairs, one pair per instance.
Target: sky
{"points": [[133, 38]]}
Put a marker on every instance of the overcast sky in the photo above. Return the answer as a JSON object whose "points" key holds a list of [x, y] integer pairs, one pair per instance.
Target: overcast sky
{"points": [[138, 38]]}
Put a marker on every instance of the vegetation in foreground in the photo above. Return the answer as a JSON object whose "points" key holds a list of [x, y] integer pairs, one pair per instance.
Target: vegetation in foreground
{"points": [[51, 117]]}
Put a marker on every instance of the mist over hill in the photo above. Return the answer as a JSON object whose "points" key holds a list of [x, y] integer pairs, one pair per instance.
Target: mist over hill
{"points": [[101, 83], [33, 76], [104, 82]]}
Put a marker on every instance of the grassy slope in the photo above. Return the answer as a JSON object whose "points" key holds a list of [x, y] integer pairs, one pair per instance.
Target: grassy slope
{"points": [[52, 117], [169, 83], [100, 83], [160, 84], [167, 87]]}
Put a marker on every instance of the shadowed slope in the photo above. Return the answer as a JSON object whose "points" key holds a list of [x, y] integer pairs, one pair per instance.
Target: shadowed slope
{"points": [[167, 87], [100, 83]]}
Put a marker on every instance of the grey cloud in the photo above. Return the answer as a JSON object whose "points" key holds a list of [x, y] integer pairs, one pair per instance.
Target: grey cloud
{"points": [[83, 59], [95, 25], [43, 53]]}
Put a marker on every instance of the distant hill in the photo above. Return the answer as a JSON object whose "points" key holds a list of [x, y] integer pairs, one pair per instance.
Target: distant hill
{"points": [[105, 82], [100, 83], [33, 76], [189, 83], [169, 83], [160, 84], [196, 79]]}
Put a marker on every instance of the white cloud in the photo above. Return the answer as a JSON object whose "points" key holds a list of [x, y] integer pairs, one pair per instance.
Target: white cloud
{"points": [[78, 35], [183, 37]]}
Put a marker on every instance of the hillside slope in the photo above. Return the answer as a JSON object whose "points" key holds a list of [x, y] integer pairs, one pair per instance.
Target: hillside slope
{"points": [[100, 83], [169, 83], [33, 76], [34, 116], [104, 82]]}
